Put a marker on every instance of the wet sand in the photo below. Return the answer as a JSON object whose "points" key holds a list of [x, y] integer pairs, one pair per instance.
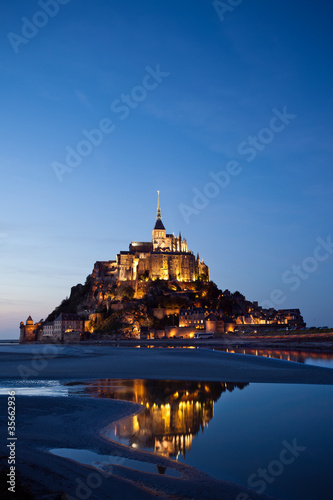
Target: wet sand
{"points": [[79, 361]]}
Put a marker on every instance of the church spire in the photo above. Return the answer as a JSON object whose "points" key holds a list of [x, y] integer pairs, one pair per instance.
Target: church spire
{"points": [[158, 214], [158, 223]]}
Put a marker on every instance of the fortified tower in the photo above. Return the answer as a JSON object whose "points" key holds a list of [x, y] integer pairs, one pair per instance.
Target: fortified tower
{"points": [[29, 330]]}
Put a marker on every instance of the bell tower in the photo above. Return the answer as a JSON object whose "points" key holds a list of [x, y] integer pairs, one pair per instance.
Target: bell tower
{"points": [[159, 232]]}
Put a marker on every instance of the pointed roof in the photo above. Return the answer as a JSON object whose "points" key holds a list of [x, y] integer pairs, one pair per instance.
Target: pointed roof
{"points": [[211, 317], [29, 321], [158, 223]]}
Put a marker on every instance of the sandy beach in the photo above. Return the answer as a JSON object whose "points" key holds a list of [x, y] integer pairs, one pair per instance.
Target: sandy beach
{"points": [[79, 361], [44, 423]]}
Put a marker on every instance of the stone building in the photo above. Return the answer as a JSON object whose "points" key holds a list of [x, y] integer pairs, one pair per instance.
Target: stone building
{"points": [[29, 331], [193, 317], [67, 327], [216, 321], [47, 331], [166, 257], [290, 317]]}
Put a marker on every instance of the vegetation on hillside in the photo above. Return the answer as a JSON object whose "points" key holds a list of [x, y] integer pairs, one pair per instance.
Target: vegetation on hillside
{"points": [[118, 309], [76, 302]]}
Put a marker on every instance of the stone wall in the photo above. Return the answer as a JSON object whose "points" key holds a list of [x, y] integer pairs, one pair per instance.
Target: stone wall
{"points": [[186, 332], [160, 312]]}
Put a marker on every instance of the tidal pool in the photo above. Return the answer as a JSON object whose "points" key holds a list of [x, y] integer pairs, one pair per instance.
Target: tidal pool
{"points": [[107, 461], [322, 359], [275, 438]]}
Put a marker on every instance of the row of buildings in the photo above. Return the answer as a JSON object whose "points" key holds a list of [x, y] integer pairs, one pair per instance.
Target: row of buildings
{"points": [[205, 320], [71, 328], [65, 328], [198, 317]]}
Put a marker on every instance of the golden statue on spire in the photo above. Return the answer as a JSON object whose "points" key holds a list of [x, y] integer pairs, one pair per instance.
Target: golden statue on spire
{"points": [[158, 215]]}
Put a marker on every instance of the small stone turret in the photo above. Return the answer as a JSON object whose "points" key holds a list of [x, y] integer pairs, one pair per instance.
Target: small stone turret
{"points": [[29, 330]]}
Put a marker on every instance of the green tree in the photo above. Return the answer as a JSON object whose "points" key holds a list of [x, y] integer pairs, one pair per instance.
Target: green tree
{"points": [[128, 293]]}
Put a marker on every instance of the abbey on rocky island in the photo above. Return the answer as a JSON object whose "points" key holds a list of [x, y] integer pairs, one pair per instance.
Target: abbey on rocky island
{"points": [[117, 296]]}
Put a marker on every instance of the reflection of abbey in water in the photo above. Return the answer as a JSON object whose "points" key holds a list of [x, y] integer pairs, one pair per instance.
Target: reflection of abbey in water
{"points": [[175, 411]]}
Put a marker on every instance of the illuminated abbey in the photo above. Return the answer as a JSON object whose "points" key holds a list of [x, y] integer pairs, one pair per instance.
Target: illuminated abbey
{"points": [[121, 297], [166, 257]]}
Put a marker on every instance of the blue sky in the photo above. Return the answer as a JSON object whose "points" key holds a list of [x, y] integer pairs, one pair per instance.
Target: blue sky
{"points": [[221, 80]]}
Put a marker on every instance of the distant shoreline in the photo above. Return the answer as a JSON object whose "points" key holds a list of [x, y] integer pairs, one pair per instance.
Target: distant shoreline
{"points": [[317, 342], [292, 342]]}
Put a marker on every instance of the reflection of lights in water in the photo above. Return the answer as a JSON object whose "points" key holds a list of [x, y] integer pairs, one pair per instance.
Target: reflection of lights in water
{"points": [[174, 412], [308, 357], [136, 426]]}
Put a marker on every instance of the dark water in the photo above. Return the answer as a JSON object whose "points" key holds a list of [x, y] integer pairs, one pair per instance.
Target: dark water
{"points": [[38, 387], [275, 438], [106, 462], [237, 432], [298, 356], [307, 357]]}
